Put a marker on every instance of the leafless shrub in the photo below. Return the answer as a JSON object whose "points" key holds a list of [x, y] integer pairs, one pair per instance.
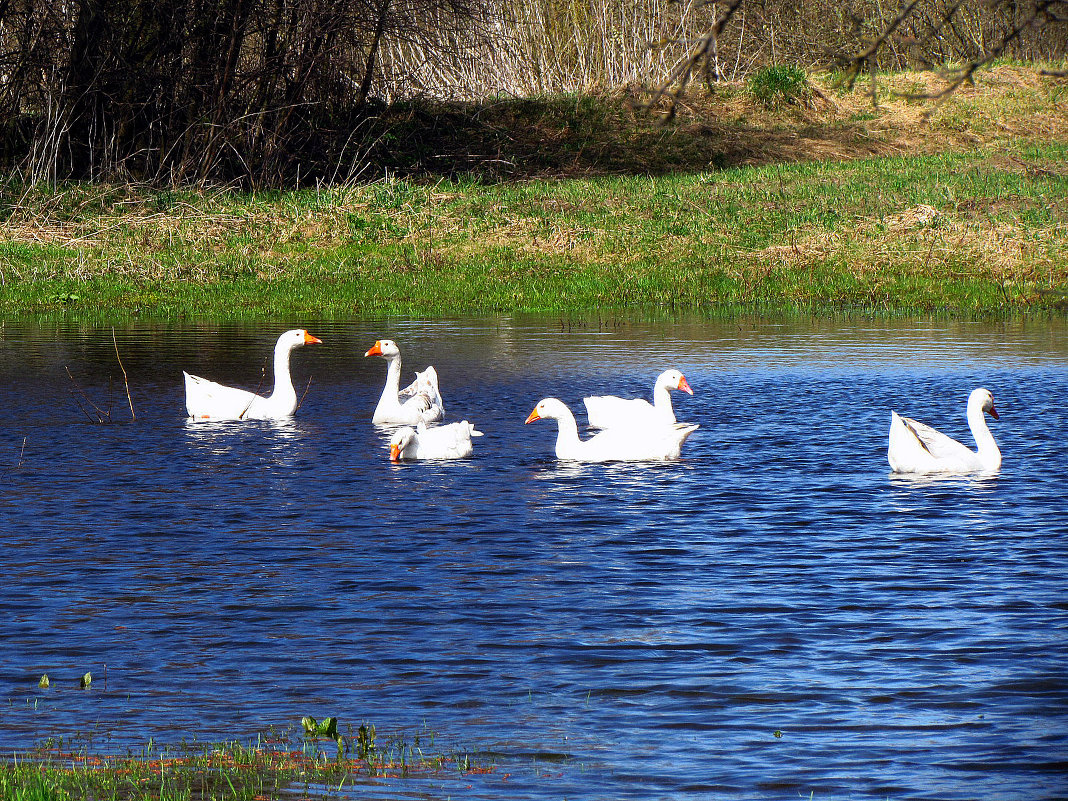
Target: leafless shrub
{"points": [[285, 92]]}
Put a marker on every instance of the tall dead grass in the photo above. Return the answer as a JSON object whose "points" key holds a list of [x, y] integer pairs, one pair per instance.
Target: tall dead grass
{"points": [[535, 47]]}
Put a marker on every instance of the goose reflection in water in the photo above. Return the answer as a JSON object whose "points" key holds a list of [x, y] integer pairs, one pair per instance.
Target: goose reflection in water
{"points": [[275, 440]]}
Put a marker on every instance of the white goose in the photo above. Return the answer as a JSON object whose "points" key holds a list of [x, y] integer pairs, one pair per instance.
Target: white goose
{"points": [[608, 411], [424, 407], [452, 441], [918, 448], [612, 444], [206, 400]]}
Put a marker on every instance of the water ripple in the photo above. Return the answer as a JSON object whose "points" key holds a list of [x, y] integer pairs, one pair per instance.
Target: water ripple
{"points": [[774, 616]]}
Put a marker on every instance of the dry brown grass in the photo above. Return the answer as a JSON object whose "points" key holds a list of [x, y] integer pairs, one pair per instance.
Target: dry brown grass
{"points": [[922, 241], [904, 116]]}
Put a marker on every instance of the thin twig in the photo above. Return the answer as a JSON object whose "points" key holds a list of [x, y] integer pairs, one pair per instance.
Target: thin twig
{"points": [[124, 381], [101, 416], [305, 394], [680, 74], [256, 393]]}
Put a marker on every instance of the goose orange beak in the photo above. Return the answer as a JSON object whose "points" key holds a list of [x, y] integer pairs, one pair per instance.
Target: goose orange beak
{"points": [[375, 349], [684, 385], [994, 413], [532, 417], [310, 340], [394, 453]]}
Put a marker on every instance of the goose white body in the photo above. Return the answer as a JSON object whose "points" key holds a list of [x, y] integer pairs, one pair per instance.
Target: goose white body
{"points": [[452, 441], [611, 411], [207, 400], [914, 447], [618, 444], [424, 405]]}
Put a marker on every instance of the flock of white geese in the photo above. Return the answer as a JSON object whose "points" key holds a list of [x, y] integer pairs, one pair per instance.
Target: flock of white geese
{"points": [[630, 429]]}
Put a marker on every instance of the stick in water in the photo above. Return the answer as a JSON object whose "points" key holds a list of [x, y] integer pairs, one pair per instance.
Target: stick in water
{"points": [[124, 381]]}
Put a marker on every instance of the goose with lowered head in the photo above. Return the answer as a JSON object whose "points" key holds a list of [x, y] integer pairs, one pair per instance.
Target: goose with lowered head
{"points": [[608, 411], [452, 441], [623, 444], [917, 448], [206, 400], [425, 405]]}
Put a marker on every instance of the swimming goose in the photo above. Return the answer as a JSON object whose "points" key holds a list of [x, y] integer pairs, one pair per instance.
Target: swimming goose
{"points": [[424, 407], [608, 411], [206, 400], [613, 444], [917, 448], [452, 441]]}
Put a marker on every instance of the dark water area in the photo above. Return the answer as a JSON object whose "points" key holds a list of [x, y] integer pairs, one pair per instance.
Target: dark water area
{"points": [[773, 616]]}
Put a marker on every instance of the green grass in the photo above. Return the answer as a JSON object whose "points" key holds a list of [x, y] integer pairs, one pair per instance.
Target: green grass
{"points": [[974, 229], [271, 768], [779, 83]]}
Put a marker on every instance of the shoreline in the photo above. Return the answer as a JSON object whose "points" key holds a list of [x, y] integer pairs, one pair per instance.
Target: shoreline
{"points": [[869, 210]]}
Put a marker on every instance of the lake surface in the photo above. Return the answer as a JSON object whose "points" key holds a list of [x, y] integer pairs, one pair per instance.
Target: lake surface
{"points": [[773, 616]]}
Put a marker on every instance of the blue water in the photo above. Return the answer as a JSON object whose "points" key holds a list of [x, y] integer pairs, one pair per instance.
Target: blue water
{"points": [[774, 616]]}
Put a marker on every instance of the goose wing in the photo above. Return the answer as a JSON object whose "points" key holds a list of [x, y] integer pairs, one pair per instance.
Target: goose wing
{"points": [[934, 441], [206, 399], [610, 411]]}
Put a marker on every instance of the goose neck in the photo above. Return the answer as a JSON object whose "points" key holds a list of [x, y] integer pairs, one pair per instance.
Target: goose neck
{"points": [[987, 447], [393, 374], [661, 397], [566, 429], [283, 381]]}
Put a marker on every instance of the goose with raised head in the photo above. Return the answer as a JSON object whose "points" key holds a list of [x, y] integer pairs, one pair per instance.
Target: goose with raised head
{"points": [[207, 400], [609, 411], [452, 441], [917, 448], [622, 444], [424, 406]]}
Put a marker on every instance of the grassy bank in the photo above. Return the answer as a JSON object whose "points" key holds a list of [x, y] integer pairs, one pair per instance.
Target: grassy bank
{"points": [[827, 204]]}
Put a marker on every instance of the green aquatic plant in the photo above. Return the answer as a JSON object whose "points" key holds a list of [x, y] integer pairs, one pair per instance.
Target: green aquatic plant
{"points": [[268, 767], [365, 742], [327, 728]]}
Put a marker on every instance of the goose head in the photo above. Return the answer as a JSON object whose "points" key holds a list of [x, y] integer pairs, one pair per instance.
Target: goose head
{"points": [[547, 409], [982, 399], [297, 338], [400, 440], [673, 379], [386, 348]]}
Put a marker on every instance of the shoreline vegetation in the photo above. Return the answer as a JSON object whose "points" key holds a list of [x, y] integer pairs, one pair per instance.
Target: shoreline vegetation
{"points": [[821, 202], [275, 765]]}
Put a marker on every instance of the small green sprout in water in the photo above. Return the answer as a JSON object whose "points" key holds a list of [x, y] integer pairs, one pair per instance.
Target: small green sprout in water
{"points": [[44, 682], [776, 733], [365, 742], [85, 681], [313, 728], [328, 729]]}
